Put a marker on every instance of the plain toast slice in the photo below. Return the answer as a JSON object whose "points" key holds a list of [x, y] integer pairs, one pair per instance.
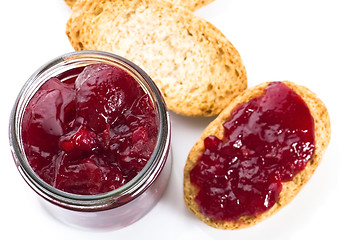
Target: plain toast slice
{"points": [[191, 5], [194, 65]]}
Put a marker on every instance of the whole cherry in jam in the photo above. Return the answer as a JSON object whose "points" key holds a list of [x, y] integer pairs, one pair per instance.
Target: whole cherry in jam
{"points": [[266, 142], [91, 135]]}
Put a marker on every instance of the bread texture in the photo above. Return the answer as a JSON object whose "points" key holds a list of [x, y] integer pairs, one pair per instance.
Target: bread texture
{"points": [[194, 65], [191, 5], [289, 189], [70, 3]]}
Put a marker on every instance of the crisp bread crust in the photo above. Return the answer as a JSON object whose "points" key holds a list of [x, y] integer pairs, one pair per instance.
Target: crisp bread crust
{"points": [[289, 189], [70, 3], [194, 65], [191, 5]]}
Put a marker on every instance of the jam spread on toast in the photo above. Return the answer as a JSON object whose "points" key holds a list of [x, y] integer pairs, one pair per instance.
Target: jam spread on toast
{"points": [[267, 141]]}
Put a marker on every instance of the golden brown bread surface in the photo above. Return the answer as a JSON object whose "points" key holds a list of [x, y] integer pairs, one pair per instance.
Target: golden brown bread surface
{"points": [[70, 3], [193, 64], [192, 5], [291, 188]]}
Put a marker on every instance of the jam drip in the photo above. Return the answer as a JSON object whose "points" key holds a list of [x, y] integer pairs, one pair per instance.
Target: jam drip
{"points": [[91, 135], [266, 142]]}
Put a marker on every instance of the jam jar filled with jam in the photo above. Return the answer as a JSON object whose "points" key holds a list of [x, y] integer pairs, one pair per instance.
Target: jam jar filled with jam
{"points": [[90, 134]]}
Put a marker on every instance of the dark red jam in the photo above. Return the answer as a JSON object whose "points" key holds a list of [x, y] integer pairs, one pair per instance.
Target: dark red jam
{"points": [[92, 134], [266, 142]]}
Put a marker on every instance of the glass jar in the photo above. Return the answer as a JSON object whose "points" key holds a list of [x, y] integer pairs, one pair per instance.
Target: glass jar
{"points": [[114, 209]]}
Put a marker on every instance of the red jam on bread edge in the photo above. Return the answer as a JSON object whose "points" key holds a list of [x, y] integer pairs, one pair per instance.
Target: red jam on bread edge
{"points": [[90, 134], [267, 141]]}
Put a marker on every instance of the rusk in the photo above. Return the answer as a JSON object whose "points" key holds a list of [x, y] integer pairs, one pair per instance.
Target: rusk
{"points": [[291, 188], [194, 65], [192, 5]]}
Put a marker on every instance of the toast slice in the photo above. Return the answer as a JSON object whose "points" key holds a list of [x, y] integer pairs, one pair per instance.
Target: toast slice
{"points": [[289, 189], [191, 5], [194, 65]]}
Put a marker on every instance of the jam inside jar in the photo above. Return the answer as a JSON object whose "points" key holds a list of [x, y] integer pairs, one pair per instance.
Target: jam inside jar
{"points": [[90, 133]]}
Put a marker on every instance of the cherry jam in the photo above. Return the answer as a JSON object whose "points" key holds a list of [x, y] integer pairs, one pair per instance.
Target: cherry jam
{"points": [[90, 136], [266, 141]]}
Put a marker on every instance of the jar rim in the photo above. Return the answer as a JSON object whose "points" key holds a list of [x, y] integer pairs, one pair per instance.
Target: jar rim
{"points": [[129, 190]]}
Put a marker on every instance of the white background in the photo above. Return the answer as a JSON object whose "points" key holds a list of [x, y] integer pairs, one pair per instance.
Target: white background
{"points": [[311, 42]]}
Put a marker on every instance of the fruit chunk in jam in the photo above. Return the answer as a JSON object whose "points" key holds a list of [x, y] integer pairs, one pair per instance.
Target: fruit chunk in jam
{"points": [[266, 142], [91, 135]]}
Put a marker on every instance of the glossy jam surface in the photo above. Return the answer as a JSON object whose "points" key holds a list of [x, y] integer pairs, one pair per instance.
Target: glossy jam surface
{"points": [[92, 134], [266, 142]]}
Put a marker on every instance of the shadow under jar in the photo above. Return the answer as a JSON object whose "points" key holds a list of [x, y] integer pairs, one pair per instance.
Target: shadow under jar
{"points": [[128, 167]]}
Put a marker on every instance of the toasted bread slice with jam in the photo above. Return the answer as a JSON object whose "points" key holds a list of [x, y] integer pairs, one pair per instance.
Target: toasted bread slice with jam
{"points": [[289, 188]]}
